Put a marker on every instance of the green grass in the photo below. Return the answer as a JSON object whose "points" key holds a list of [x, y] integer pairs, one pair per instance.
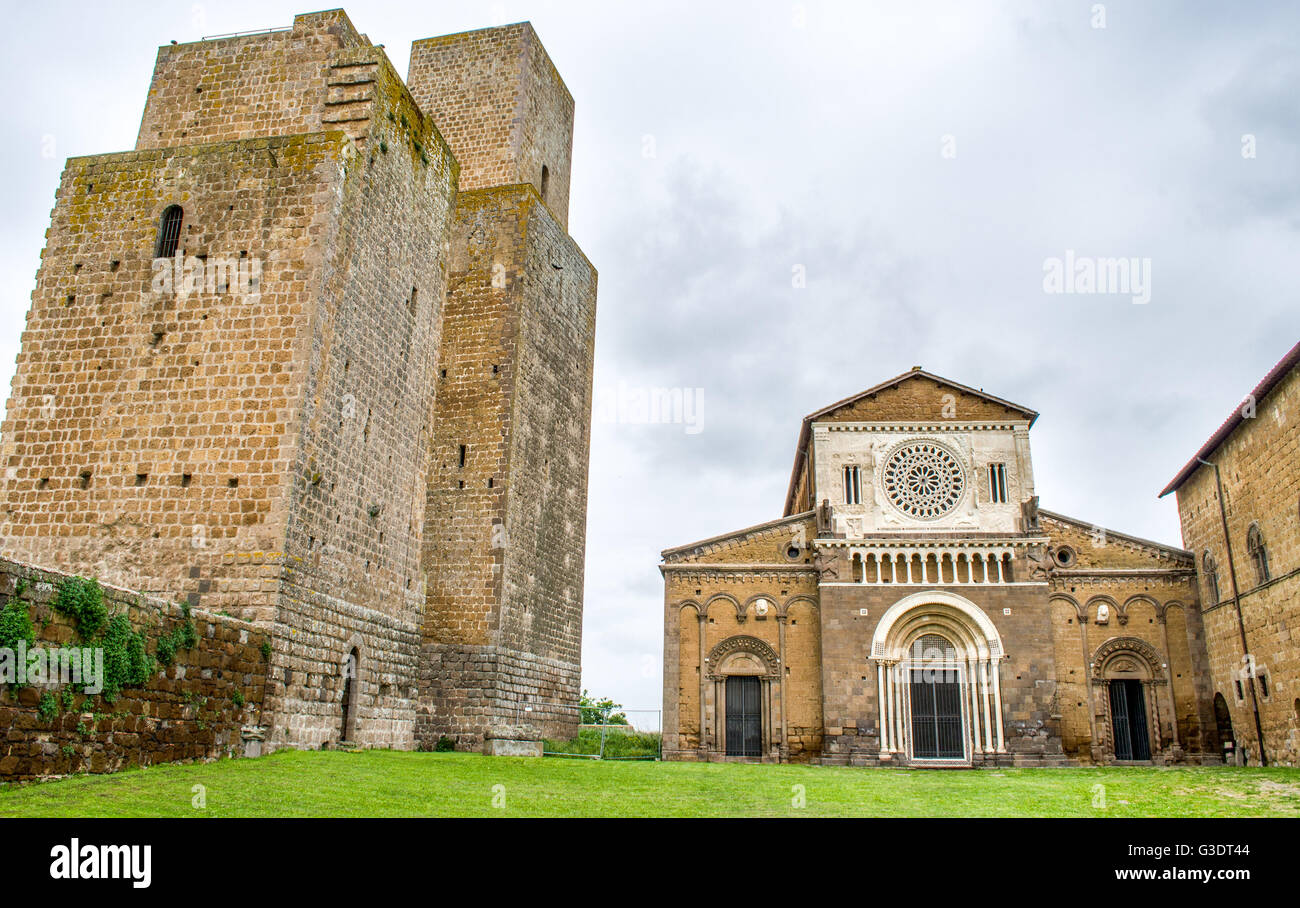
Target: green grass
{"points": [[390, 783]]}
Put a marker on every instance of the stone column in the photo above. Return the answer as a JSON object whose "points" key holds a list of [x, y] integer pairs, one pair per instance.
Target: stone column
{"points": [[1169, 669], [704, 680], [883, 728], [995, 666], [984, 693], [783, 743]]}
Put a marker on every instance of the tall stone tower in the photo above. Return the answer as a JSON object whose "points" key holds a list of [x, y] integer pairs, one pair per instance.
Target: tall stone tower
{"points": [[277, 366], [505, 523]]}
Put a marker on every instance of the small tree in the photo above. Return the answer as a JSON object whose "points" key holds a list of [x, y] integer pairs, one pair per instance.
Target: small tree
{"points": [[600, 712]]}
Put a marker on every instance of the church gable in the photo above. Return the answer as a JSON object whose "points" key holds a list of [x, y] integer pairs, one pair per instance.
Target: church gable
{"points": [[919, 396], [767, 544], [1099, 548]]}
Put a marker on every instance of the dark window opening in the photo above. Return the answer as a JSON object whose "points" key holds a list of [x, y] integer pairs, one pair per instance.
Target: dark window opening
{"points": [[852, 485], [141, 479], [998, 483], [1258, 553], [462, 456], [169, 232], [1211, 571], [546, 180]]}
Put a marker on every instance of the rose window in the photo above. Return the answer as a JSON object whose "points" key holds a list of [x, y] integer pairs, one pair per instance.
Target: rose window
{"points": [[924, 480]]}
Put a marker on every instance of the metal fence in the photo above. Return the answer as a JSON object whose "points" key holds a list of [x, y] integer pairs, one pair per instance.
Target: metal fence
{"points": [[612, 733]]}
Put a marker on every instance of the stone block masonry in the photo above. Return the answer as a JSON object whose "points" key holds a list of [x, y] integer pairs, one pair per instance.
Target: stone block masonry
{"points": [[280, 448], [207, 705], [507, 496]]}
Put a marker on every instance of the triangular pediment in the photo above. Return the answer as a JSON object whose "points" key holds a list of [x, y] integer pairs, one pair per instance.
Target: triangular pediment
{"points": [[919, 396]]}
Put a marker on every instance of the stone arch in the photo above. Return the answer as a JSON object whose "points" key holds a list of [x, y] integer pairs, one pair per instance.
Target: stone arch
{"points": [[724, 597], [689, 603], [1064, 597], [1172, 604], [937, 605], [785, 606], [1143, 597], [742, 654], [972, 674], [765, 597], [1090, 608], [1114, 657]]}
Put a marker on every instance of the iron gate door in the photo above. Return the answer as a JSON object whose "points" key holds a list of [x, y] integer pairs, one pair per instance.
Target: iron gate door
{"points": [[744, 717], [1128, 712], [936, 715]]}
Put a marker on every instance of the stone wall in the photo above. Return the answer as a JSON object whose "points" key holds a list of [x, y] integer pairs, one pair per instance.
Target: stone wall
{"points": [[148, 433], [502, 106], [507, 494], [281, 453], [1259, 465], [251, 86], [186, 711]]}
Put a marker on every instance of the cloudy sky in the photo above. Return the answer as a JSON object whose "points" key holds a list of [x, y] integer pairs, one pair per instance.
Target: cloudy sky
{"points": [[917, 163]]}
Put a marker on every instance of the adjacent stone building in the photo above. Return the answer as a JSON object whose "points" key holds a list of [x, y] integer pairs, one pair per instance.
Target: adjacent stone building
{"points": [[1239, 503], [317, 355], [914, 606]]}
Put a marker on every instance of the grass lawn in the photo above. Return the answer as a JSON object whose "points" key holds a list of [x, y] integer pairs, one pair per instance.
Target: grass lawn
{"points": [[392, 783]]}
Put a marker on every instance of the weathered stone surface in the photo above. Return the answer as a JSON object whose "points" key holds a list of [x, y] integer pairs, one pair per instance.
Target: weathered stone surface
{"points": [[289, 456], [799, 603]]}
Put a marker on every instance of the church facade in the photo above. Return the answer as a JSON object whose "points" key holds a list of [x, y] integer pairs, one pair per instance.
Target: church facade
{"points": [[914, 606]]}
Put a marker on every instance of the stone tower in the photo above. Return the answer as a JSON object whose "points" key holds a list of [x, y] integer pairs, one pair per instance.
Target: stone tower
{"points": [[505, 522], [258, 342]]}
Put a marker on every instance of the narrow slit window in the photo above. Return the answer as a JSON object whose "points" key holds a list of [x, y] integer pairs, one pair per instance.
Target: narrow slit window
{"points": [[546, 181], [998, 483], [852, 485], [169, 232], [462, 456]]}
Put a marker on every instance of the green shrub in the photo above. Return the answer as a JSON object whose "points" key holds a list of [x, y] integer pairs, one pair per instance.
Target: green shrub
{"points": [[82, 600], [618, 744], [266, 649], [237, 698], [445, 745], [125, 661], [189, 637], [165, 651], [48, 707], [16, 625]]}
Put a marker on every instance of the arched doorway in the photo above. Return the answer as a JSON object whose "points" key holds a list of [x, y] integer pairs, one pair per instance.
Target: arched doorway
{"points": [[1128, 717], [1128, 672], [937, 661], [935, 686], [741, 710], [744, 716], [1223, 723], [351, 665]]}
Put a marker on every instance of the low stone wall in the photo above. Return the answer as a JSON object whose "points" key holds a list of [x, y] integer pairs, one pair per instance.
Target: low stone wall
{"points": [[205, 705]]}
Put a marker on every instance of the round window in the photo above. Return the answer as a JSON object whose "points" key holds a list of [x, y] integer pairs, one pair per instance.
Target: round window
{"points": [[924, 480], [1064, 556]]}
